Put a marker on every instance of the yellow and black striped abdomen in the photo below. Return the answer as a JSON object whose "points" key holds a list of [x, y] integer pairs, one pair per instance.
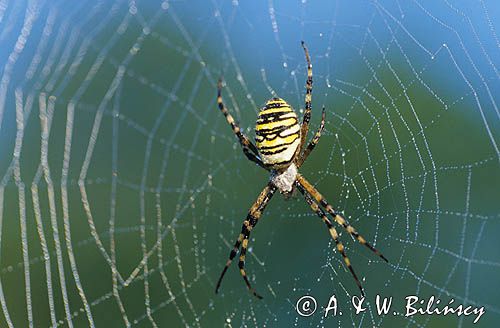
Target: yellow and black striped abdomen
{"points": [[277, 133]]}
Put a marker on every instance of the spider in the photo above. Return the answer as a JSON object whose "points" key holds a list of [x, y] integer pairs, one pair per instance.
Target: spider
{"points": [[280, 149]]}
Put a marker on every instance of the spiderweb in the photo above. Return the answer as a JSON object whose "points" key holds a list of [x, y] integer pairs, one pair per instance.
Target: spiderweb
{"points": [[122, 188]]}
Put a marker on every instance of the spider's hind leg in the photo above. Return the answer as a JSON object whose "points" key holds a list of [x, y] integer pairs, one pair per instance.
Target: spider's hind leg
{"points": [[248, 147], [314, 141], [308, 99]]}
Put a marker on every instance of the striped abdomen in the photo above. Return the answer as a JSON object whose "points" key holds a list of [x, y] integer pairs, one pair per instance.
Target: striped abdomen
{"points": [[277, 133]]}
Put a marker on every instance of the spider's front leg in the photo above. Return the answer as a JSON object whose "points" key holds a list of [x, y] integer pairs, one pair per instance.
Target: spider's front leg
{"points": [[250, 222], [309, 188], [333, 232], [249, 148]]}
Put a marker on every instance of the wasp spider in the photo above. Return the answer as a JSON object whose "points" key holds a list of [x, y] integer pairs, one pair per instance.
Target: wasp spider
{"points": [[280, 149]]}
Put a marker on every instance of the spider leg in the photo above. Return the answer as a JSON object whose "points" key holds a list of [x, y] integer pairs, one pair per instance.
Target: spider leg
{"points": [[252, 218], [333, 232], [307, 112], [309, 188], [314, 141], [249, 148]]}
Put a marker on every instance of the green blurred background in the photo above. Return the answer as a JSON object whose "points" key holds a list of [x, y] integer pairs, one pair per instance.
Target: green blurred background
{"points": [[139, 221]]}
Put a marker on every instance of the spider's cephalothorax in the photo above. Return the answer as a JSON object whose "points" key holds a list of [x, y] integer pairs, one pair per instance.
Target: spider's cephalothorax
{"points": [[281, 150], [277, 134]]}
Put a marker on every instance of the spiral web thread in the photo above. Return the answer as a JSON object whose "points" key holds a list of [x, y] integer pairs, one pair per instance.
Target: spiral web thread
{"points": [[58, 54]]}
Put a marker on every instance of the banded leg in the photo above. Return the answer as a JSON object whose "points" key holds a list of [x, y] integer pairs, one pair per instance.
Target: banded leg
{"points": [[333, 232], [250, 222], [307, 112], [249, 148], [241, 265], [309, 188], [314, 141]]}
